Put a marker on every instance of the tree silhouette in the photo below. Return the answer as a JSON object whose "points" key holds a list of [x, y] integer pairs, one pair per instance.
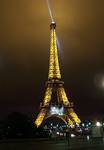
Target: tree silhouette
{"points": [[18, 125]]}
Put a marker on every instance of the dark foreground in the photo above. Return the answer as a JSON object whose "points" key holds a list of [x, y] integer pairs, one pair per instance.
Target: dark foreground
{"points": [[53, 144]]}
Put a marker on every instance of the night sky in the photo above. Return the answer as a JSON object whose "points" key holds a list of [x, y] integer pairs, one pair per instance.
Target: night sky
{"points": [[24, 53]]}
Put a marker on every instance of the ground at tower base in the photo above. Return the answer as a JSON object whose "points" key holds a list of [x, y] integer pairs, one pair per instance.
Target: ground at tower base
{"points": [[54, 144], [18, 132]]}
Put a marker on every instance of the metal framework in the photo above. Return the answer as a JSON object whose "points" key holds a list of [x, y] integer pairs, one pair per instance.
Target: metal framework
{"points": [[55, 86]]}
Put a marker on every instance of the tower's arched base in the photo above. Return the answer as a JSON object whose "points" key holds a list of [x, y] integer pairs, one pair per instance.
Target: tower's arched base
{"points": [[54, 120]]}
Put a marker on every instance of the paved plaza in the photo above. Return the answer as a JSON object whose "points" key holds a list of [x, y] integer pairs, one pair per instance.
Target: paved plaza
{"points": [[53, 144]]}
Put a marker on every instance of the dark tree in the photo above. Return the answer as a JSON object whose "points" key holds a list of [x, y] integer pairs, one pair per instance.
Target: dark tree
{"points": [[18, 125]]}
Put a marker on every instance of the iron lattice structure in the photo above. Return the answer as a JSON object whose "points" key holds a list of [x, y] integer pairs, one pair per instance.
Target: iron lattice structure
{"points": [[55, 94]]}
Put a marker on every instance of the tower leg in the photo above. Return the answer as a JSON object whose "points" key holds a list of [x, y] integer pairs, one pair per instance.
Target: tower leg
{"points": [[46, 103], [40, 117], [74, 116]]}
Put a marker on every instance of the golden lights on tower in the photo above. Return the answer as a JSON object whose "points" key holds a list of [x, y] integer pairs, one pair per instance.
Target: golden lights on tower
{"points": [[40, 117], [54, 69], [55, 84]]}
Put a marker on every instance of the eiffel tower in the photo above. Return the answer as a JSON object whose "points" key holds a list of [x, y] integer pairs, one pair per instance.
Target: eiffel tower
{"points": [[55, 102]]}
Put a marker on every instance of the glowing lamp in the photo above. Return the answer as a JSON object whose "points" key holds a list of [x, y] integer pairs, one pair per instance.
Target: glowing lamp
{"points": [[98, 124]]}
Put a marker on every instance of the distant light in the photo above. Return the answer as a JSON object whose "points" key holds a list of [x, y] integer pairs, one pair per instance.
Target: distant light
{"points": [[83, 124], [72, 135], [89, 123], [58, 133], [54, 127], [50, 131], [88, 137], [86, 125], [98, 124], [61, 134]]}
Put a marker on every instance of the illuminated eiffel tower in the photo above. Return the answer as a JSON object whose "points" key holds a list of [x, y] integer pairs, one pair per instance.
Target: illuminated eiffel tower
{"points": [[55, 102]]}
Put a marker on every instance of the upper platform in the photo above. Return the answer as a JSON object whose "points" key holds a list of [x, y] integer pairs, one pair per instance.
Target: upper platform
{"points": [[53, 25]]}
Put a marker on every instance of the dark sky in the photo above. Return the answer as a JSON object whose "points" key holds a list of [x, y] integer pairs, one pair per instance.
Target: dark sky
{"points": [[24, 53]]}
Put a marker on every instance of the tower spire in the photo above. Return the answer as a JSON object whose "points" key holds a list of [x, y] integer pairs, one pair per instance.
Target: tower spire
{"points": [[54, 69]]}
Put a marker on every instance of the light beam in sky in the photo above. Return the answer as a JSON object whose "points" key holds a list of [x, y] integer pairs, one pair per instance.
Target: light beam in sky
{"points": [[58, 44], [50, 11]]}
